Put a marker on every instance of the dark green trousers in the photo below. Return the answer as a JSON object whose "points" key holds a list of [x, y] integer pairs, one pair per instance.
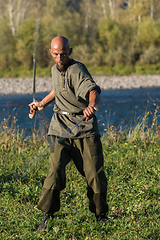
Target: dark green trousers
{"points": [[88, 157]]}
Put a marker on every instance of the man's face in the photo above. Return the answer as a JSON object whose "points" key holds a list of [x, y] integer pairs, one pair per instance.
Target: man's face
{"points": [[60, 55]]}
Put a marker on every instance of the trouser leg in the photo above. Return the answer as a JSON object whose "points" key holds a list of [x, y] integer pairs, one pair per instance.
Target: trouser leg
{"points": [[92, 157], [56, 180], [97, 202], [49, 201]]}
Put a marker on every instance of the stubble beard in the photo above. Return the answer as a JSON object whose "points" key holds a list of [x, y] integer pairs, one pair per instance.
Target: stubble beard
{"points": [[61, 68]]}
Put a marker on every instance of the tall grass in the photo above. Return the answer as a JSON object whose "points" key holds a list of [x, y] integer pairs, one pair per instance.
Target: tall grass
{"points": [[132, 166]]}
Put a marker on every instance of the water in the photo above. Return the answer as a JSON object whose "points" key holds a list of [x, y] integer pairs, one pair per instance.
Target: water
{"points": [[124, 107], [120, 108]]}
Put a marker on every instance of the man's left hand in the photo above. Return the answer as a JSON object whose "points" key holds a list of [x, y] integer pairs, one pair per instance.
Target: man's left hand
{"points": [[88, 112]]}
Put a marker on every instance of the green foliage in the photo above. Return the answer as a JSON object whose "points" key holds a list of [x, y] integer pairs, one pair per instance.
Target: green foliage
{"points": [[84, 54], [110, 34], [25, 43], [148, 34], [117, 57], [113, 35], [7, 45], [147, 69], [150, 56], [132, 167], [117, 41]]}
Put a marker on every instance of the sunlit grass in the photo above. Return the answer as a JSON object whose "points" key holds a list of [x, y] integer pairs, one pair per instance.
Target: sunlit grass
{"points": [[132, 167], [118, 70]]}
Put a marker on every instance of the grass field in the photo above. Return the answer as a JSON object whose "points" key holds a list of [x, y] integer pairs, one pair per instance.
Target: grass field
{"points": [[150, 69], [132, 166]]}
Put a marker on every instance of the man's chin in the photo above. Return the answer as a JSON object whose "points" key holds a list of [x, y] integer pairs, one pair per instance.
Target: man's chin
{"points": [[61, 67]]}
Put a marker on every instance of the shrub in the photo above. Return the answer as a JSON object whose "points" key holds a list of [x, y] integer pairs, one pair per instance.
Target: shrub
{"points": [[150, 56], [118, 57], [148, 34], [83, 54]]}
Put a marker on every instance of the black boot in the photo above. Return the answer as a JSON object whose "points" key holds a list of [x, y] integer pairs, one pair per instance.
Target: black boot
{"points": [[102, 218], [42, 226]]}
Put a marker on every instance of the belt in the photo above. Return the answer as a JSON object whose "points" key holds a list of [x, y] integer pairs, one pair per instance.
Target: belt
{"points": [[70, 114]]}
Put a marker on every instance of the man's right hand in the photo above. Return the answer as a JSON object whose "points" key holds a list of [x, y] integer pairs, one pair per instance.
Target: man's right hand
{"points": [[40, 105], [36, 105]]}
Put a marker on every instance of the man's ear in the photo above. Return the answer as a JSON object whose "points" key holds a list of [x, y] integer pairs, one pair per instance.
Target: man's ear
{"points": [[51, 52], [70, 51]]}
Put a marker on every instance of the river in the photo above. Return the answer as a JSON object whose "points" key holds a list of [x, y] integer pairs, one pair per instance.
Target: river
{"points": [[120, 108]]}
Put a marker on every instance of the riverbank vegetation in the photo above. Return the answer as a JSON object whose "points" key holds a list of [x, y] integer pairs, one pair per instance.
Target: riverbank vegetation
{"points": [[111, 37], [132, 168]]}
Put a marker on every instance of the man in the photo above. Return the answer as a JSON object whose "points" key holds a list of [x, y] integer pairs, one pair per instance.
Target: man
{"points": [[76, 96]]}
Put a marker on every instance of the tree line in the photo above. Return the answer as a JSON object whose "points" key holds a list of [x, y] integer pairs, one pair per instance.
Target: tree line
{"points": [[101, 32]]}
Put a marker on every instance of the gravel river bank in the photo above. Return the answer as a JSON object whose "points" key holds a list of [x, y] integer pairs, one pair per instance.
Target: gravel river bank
{"points": [[24, 85]]}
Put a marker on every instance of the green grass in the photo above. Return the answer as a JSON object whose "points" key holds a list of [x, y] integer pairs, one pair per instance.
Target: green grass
{"points": [[132, 166], [126, 70], [99, 71], [20, 72]]}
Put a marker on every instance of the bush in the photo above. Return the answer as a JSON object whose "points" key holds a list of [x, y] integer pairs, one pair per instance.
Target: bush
{"points": [[118, 57], [150, 56], [83, 54], [7, 46], [148, 34], [110, 34], [25, 43]]}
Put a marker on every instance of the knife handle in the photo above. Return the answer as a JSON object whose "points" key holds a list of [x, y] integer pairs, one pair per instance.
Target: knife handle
{"points": [[32, 115], [96, 108]]}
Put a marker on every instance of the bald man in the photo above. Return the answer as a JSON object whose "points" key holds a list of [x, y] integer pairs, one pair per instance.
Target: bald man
{"points": [[76, 95]]}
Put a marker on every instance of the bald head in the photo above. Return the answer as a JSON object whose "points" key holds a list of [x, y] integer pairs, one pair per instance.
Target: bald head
{"points": [[61, 42], [60, 51]]}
